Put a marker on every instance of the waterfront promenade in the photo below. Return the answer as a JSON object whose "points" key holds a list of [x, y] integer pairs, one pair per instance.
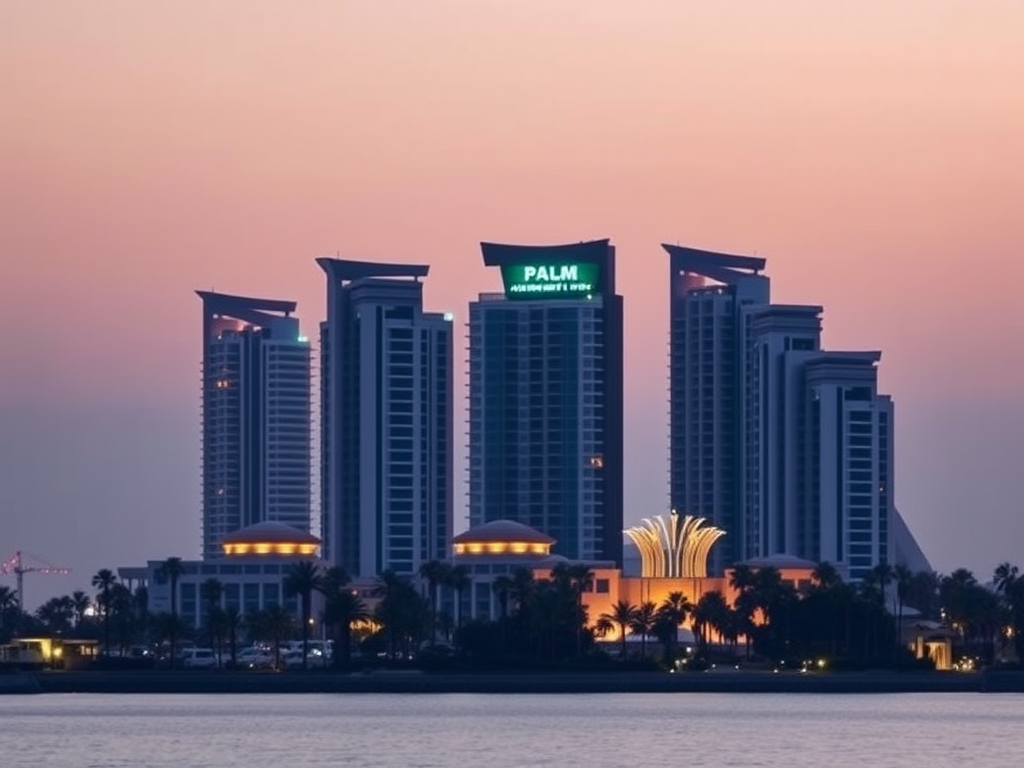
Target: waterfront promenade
{"points": [[381, 681]]}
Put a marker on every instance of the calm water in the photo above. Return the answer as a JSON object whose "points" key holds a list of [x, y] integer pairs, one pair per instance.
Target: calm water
{"points": [[223, 731]]}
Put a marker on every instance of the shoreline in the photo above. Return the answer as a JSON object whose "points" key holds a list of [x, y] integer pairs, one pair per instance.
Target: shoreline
{"points": [[406, 682]]}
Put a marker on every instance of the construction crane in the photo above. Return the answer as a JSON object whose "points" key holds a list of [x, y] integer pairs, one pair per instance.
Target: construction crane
{"points": [[16, 565]]}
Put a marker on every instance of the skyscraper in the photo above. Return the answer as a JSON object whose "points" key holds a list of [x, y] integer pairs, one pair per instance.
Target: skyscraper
{"points": [[710, 399], [545, 397], [783, 338], [785, 446], [386, 420], [849, 433], [256, 416]]}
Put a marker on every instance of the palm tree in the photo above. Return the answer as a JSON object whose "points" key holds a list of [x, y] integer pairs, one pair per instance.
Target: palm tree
{"points": [[211, 591], [713, 611], [8, 605], [276, 624], [172, 570], [81, 603], [344, 608], [122, 615], [436, 572], [402, 611], [231, 619], [644, 619], [1010, 585], [503, 586], [57, 614], [825, 576], [671, 615], [622, 614], [104, 581], [458, 579], [302, 579], [903, 578], [581, 579], [523, 585]]}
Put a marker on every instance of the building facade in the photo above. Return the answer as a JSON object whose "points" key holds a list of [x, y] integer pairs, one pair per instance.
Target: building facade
{"points": [[710, 399], [849, 429], [250, 569], [783, 445], [784, 337], [386, 420], [256, 427], [545, 397]]}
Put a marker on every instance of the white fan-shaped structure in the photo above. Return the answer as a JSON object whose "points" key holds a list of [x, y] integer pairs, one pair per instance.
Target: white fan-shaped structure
{"points": [[674, 548]]}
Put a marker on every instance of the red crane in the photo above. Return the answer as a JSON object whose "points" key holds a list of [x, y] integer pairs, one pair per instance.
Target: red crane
{"points": [[16, 565]]}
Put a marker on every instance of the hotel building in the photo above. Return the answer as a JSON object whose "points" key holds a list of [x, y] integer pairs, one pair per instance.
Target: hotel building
{"points": [[386, 420], [545, 397], [783, 445], [256, 417], [710, 400], [251, 567]]}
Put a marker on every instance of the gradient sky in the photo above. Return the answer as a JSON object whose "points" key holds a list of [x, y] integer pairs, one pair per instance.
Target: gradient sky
{"points": [[872, 151]]}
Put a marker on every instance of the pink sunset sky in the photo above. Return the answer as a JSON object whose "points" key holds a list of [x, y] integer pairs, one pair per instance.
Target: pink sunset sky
{"points": [[872, 151]]}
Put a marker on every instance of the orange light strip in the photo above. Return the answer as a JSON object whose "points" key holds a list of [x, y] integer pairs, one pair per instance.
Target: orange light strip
{"points": [[269, 548], [502, 548]]}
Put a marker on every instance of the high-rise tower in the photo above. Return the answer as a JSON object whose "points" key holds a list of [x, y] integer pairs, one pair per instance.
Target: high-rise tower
{"points": [[545, 397], [256, 416], [386, 420], [783, 445], [849, 433], [711, 299]]}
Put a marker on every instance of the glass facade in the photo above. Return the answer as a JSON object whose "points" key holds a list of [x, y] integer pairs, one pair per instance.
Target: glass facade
{"points": [[256, 418]]}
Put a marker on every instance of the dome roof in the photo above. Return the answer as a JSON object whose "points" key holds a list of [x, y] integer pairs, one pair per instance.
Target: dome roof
{"points": [[780, 561], [499, 531], [270, 533]]}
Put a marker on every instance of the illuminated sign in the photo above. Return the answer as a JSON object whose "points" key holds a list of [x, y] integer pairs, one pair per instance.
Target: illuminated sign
{"points": [[550, 281]]}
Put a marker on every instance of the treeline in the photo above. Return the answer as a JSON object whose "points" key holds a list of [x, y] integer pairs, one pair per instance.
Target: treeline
{"points": [[545, 622]]}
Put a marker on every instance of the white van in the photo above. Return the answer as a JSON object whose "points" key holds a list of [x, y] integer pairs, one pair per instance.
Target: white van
{"points": [[198, 658]]}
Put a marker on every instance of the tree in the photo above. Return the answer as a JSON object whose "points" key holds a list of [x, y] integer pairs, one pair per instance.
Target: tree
{"points": [[172, 569], [580, 579], [712, 611], [211, 591], [302, 579], [401, 611], [621, 614], [825, 576], [81, 603], [232, 624], [104, 581], [903, 577], [436, 572], [643, 624], [342, 609], [1010, 586], [458, 579], [9, 610], [523, 587], [274, 624], [167, 626], [57, 613], [502, 587], [671, 615]]}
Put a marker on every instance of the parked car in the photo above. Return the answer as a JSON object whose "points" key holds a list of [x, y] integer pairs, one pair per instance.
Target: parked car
{"points": [[254, 658], [198, 658]]}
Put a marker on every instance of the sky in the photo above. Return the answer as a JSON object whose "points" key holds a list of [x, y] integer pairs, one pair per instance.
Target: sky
{"points": [[872, 151]]}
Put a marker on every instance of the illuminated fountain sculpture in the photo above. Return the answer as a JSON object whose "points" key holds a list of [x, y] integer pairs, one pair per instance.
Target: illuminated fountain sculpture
{"points": [[674, 548]]}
